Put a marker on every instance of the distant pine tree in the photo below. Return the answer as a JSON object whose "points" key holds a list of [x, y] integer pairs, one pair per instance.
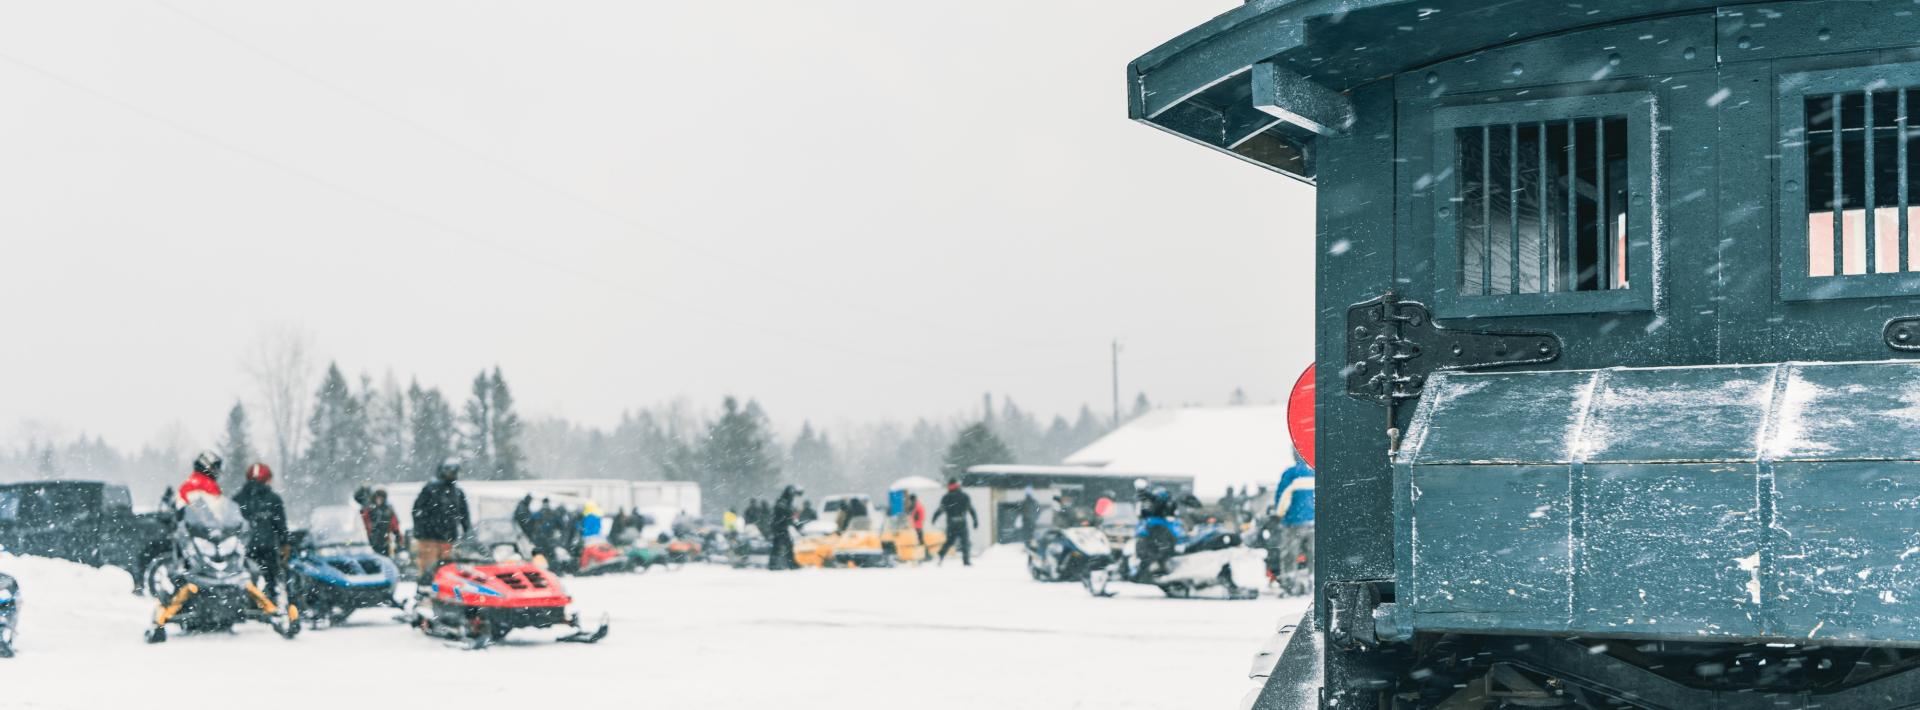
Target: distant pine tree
{"points": [[430, 432], [237, 447], [505, 430], [811, 459], [738, 457], [338, 450], [976, 446], [476, 435]]}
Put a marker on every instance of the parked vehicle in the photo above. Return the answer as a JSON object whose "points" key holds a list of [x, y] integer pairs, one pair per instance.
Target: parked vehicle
{"points": [[1165, 553], [334, 570], [477, 601], [89, 522], [1617, 321], [206, 582], [1058, 555]]}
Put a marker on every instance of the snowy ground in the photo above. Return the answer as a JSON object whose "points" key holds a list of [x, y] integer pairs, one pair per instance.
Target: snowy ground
{"points": [[925, 638]]}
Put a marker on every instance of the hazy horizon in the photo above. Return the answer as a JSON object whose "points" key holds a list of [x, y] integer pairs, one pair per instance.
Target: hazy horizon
{"points": [[849, 211]]}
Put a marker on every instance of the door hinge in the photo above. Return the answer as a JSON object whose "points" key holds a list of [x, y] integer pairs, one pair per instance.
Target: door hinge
{"points": [[1393, 345]]}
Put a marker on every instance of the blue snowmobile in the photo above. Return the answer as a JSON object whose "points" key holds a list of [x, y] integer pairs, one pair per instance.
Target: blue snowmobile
{"points": [[1166, 553], [335, 572]]}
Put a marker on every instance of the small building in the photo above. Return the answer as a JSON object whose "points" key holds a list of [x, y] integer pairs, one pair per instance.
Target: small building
{"points": [[1215, 447], [998, 489]]}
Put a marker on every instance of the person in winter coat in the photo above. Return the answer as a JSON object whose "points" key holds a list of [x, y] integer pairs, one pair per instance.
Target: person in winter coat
{"points": [[267, 543], [1029, 516], [917, 516], [382, 524], [439, 518], [204, 481], [958, 507], [780, 524], [523, 516]]}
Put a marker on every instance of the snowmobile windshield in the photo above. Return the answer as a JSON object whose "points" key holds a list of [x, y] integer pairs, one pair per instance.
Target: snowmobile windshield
{"points": [[213, 518], [335, 525]]}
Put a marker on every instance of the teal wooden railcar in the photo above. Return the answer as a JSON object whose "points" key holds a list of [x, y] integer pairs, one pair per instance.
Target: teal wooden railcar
{"points": [[1619, 317]]}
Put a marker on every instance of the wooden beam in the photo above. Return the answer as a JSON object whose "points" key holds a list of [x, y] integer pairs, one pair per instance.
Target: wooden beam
{"points": [[1284, 94]]}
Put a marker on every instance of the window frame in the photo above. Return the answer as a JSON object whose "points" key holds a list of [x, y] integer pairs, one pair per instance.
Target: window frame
{"points": [[1792, 89], [1643, 186]]}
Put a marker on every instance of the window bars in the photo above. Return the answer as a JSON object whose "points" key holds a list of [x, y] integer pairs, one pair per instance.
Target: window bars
{"points": [[1543, 206], [1858, 175]]}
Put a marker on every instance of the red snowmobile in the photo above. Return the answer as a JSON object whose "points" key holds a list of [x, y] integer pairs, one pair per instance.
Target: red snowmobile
{"points": [[479, 602]]}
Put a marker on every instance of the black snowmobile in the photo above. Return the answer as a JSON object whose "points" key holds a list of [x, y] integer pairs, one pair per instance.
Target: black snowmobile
{"points": [[206, 584]]}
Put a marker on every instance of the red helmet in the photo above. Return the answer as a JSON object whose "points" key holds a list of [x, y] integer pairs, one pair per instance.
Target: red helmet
{"points": [[259, 472]]}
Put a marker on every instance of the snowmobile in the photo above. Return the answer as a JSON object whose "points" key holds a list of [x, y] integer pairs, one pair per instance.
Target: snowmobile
{"points": [[335, 572], [206, 582], [477, 602], [1059, 555], [596, 557], [1166, 555], [9, 613]]}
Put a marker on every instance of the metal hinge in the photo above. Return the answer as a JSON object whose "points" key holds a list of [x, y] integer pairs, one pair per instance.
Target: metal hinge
{"points": [[1393, 345]]}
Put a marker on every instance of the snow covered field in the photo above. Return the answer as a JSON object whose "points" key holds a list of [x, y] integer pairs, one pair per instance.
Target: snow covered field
{"points": [[925, 638]]}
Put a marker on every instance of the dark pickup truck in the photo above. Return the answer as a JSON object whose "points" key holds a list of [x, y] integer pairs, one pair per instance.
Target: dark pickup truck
{"points": [[85, 521]]}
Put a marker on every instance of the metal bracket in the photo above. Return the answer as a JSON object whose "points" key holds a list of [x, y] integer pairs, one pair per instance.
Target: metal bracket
{"points": [[1903, 333], [1393, 345]]}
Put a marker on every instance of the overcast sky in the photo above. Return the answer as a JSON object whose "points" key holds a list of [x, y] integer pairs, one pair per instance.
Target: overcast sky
{"points": [[850, 210]]}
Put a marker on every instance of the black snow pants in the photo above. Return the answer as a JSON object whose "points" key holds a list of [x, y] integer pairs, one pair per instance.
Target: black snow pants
{"points": [[782, 555], [268, 560], [958, 535]]}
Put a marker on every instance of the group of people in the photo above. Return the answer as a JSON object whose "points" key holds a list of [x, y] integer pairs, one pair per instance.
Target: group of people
{"points": [[440, 516], [776, 521]]}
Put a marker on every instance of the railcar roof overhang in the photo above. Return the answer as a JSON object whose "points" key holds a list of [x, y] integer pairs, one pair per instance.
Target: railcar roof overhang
{"points": [[1262, 81]]}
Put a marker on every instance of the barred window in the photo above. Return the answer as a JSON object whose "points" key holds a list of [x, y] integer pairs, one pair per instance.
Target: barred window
{"points": [[1545, 206], [1858, 177]]}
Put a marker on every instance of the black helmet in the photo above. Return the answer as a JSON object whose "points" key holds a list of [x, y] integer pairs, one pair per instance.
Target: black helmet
{"points": [[208, 463], [449, 470]]}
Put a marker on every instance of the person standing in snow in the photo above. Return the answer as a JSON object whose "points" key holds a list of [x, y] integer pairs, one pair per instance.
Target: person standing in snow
{"points": [[780, 524], [958, 507], [1029, 516], [267, 543], [523, 516], [382, 524], [917, 516], [439, 518], [204, 481]]}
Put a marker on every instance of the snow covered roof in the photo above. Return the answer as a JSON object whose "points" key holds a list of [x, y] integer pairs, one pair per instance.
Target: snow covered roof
{"points": [[1217, 446]]}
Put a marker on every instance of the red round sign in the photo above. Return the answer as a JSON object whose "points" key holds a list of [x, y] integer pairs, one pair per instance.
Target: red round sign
{"points": [[1300, 416]]}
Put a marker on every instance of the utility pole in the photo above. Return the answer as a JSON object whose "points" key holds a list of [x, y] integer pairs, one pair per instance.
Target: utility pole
{"points": [[1116, 383]]}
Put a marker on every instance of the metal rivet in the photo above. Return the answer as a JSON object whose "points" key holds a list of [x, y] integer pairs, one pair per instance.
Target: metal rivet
{"points": [[1545, 347], [1359, 331], [1446, 212], [1519, 69], [1902, 335], [1456, 351], [1793, 186], [1744, 43], [1500, 348], [1433, 77], [1824, 34], [1688, 53], [1613, 60]]}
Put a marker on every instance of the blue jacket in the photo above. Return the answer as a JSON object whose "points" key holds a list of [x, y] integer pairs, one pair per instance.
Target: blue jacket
{"points": [[1295, 495]]}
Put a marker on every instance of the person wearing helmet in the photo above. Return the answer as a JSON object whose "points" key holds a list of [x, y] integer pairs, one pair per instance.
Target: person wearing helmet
{"points": [[266, 514], [439, 518], [958, 507], [204, 481]]}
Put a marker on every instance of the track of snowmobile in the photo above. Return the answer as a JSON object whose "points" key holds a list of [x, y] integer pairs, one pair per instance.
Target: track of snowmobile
{"points": [[702, 636]]}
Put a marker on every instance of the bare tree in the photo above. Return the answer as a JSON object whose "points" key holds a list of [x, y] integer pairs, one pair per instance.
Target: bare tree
{"points": [[283, 369]]}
